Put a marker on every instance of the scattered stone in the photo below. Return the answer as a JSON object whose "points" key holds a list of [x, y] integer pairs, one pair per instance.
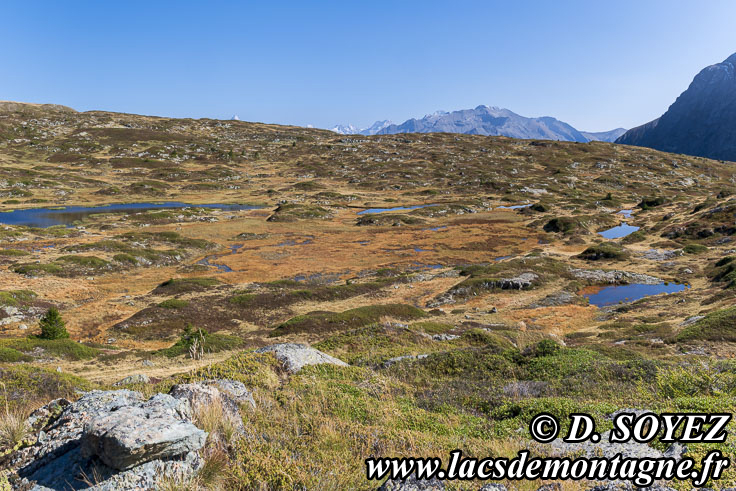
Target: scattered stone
{"points": [[692, 320], [137, 378], [525, 388], [294, 356], [148, 363], [445, 337], [664, 255], [392, 361], [494, 486], [556, 300], [412, 484]]}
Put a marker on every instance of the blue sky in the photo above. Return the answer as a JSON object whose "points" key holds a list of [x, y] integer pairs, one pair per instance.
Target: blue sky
{"points": [[594, 64]]}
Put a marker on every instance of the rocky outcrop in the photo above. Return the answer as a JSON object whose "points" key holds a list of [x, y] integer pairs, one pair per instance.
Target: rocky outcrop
{"points": [[202, 396], [294, 356], [159, 428], [108, 440], [614, 277], [702, 121], [523, 281]]}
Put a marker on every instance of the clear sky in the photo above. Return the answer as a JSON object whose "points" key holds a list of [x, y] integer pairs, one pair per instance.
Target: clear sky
{"points": [[594, 64]]}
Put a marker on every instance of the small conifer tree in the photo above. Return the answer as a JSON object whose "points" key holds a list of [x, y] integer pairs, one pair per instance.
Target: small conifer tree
{"points": [[52, 325]]}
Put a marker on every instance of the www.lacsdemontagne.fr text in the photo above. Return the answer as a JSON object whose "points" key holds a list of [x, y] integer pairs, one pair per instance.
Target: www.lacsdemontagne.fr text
{"points": [[641, 471]]}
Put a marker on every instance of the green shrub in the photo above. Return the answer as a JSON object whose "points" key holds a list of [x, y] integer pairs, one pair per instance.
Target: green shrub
{"points": [[173, 303], [10, 355], [353, 318], [59, 348], [12, 252], [716, 326], [694, 249], [15, 297], [647, 203], [52, 325], [606, 250], [546, 347]]}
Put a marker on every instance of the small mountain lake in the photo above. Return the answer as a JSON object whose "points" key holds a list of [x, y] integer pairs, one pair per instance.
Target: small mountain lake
{"points": [[619, 231], [611, 295], [514, 207], [371, 211], [48, 217]]}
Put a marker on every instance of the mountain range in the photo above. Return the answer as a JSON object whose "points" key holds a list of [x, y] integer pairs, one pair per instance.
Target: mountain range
{"points": [[702, 121], [485, 120]]}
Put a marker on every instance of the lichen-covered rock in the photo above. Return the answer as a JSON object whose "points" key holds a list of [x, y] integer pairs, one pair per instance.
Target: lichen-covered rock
{"points": [[202, 396], [294, 356], [138, 378], [159, 428], [614, 277], [56, 460], [237, 390]]}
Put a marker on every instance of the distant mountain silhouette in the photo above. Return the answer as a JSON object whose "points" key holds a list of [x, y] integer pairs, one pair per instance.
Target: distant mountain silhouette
{"points": [[702, 121], [604, 136], [485, 120]]}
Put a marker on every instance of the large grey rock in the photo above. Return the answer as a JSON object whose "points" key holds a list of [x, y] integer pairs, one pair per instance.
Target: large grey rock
{"points": [[159, 428], [56, 461], [294, 356]]}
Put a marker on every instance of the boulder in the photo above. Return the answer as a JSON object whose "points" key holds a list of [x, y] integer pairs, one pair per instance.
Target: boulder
{"points": [[159, 428], [57, 461], [294, 356]]}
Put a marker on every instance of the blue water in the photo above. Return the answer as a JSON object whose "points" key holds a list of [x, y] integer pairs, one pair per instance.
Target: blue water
{"points": [[207, 261], [515, 207], [419, 249], [47, 217], [371, 211], [435, 229], [620, 231], [501, 258], [625, 213], [612, 295]]}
